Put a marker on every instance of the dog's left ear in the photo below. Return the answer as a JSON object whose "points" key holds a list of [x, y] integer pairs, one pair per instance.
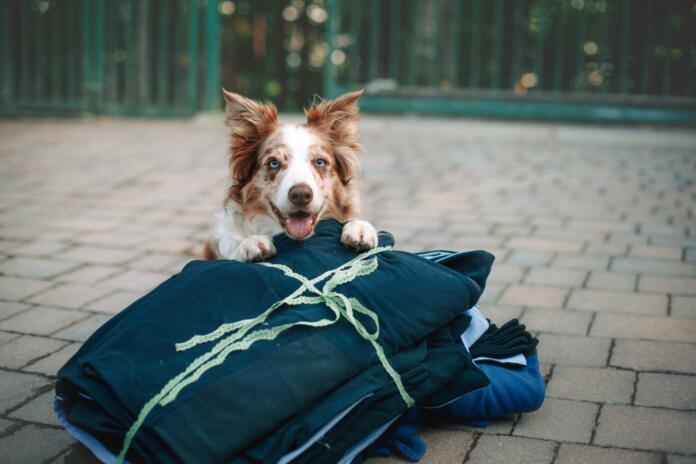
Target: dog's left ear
{"points": [[338, 119]]}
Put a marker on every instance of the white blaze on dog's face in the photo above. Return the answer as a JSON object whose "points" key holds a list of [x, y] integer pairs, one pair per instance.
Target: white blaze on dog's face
{"points": [[295, 174]]}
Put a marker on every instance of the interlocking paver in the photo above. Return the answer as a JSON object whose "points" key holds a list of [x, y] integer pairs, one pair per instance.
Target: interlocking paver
{"points": [[573, 350], [17, 388], [559, 419], [39, 409], [495, 448], [32, 444], [557, 321], [666, 390], [592, 229], [637, 427], [604, 300], [654, 356], [604, 385], [41, 320], [647, 328], [533, 295], [26, 348], [583, 454], [36, 268]]}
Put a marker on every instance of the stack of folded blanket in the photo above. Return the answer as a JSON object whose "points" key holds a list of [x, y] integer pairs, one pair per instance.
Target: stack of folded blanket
{"points": [[321, 354]]}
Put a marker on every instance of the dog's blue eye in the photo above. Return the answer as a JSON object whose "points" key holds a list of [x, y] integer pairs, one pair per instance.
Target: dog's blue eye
{"points": [[274, 164], [320, 162]]}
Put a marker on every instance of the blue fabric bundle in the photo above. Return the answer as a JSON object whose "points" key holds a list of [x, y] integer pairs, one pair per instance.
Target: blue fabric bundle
{"points": [[306, 358]]}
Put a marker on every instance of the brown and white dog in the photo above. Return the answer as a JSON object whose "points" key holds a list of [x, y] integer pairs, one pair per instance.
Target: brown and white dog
{"points": [[284, 178]]}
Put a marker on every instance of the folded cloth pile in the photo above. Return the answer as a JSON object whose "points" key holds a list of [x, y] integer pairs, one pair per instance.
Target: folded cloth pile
{"points": [[309, 357]]}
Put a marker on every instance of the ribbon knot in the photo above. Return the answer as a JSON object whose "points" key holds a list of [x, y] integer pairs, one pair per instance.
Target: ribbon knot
{"points": [[242, 334]]}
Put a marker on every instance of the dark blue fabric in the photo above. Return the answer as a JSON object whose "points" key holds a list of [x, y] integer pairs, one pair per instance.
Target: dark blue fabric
{"points": [[253, 393]]}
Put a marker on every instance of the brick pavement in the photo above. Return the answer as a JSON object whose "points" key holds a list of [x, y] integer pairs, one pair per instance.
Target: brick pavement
{"points": [[593, 230]]}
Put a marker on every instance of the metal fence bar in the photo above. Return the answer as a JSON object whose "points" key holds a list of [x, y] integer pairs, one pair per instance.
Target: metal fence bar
{"points": [[560, 46], [645, 65], [40, 52], [192, 84], [580, 51], [5, 55], [394, 48], [475, 46], [625, 53], [212, 49], [162, 80], [517, 41], [499, 31], [375, 42], [413, 58], [690, 25], [667, 67], [455, 43]]}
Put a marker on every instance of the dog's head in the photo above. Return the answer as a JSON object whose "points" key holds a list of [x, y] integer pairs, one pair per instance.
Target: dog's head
{"points": [[294, 173]]}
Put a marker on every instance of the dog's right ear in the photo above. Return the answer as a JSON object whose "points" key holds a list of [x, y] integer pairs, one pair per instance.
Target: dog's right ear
{"points": [[251, 122]]}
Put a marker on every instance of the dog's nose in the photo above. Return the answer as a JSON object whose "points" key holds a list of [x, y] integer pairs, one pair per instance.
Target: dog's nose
{"points": [[300, 195]]}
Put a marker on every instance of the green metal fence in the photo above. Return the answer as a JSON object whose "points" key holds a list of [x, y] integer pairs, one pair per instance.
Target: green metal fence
{"points": [[135, 57], [618, 60], [624, 60]]}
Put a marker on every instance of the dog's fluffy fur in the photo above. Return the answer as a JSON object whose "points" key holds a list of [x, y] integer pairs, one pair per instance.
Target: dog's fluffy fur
{"points": [[284, 178]]}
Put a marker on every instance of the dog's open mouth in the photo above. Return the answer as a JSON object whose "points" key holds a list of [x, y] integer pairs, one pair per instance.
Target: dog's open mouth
{"points": [[298, 225]]}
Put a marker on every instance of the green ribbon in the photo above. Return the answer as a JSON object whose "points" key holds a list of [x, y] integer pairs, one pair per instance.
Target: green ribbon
{"points": [[240, 335]]}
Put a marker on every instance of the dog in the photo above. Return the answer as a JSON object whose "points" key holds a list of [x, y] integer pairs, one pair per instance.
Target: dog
{"points": [[285, 178]]}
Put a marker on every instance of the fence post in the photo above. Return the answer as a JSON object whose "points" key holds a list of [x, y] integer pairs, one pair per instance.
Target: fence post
{"points": [[212, 48], [5, 57], [192, 81]]}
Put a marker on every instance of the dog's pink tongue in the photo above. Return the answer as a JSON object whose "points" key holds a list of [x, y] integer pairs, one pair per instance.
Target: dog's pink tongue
{"points": [[299, 228]]}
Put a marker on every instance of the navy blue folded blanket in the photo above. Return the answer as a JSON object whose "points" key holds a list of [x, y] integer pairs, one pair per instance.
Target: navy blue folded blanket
{"points": [[230, 361]]}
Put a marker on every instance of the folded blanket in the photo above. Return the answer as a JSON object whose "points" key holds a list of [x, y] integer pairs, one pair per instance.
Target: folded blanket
{"points": [[226, 355]]}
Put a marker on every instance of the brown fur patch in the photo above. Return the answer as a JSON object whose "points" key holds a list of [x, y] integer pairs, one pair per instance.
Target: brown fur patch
{"points": [[251, 123], [337, 121]]}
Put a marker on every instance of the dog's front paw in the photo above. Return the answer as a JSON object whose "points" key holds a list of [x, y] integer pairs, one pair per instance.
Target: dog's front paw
{"points": [[254, 248], [359, 235]]}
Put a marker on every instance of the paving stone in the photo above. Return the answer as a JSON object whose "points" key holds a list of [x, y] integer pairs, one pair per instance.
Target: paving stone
{"points": [[653, 266], [97, 255], [500, 314], [647, 429], [446, 445], [51, 363], [81, 331], [135, 280], [41, 320], [37, 268], [611, 281], [683, 307], [606, 249], [529, 295], [674, 459], [557, 321], [114, 302], [583, 454], [674, 285], [529, 258], [154, 261], [26, 348], [582, 262], [77, 454], [559, 419], [7, 337], [555, 277], [506, 273], [38, 248], [573, 350], [603, 385], [15, 289], [40, 410], [32, 445], [17, 388], [659, 252], [654, 356], [69, 295], [89, 274], [643, 327], [6, 425], [504, 449], [492, 293], [666, 390], [10, 308], [546, 244], [628, 302]]}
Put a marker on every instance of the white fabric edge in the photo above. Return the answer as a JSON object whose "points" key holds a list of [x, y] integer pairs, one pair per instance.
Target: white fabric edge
{"points": [[477, 326], [518, 360], [365, 442]]}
